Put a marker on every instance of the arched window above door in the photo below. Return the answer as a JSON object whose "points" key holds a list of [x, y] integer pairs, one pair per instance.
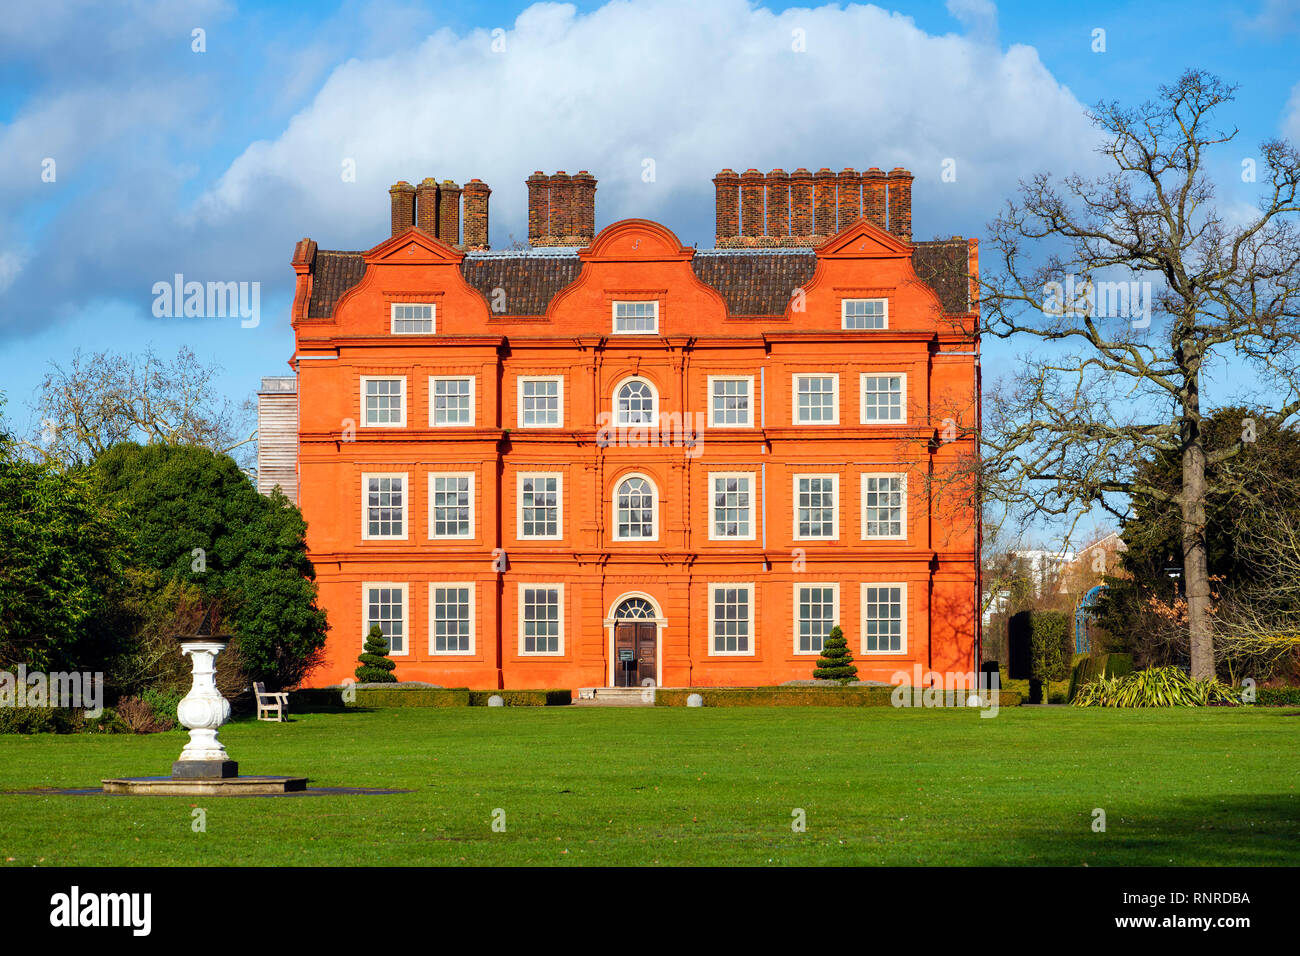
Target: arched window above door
{"points": [[634, 609]]}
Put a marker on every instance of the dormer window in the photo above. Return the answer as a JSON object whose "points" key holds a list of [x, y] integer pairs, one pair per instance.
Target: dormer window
{"points": [[864, 313], [412, 318], [636, 317]]}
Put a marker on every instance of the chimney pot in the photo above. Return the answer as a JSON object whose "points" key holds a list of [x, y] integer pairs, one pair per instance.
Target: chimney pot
{"points": [[801, 203]]}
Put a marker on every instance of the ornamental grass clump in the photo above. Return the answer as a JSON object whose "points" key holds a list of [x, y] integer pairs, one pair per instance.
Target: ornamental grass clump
{"points": [[1156, 687]]}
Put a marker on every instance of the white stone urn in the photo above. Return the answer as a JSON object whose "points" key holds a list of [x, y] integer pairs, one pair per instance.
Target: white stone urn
{"points": [[202, 711]]}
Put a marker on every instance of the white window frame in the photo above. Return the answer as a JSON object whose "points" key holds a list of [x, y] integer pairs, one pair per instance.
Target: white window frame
{"points": [[753, 400], [844, 312], [794, 397], [406, 613], [654, 410], [473, 506], [365, 505], [862, 398], [753, 505], [613, 317], [473, 618], [747, 586], [794, 507], [519, 613], [902, 476], [559, 506], [365, 416], [519, 396], [794, 605], [902, 617], [473, 400], [392, 317], [613, 500]]}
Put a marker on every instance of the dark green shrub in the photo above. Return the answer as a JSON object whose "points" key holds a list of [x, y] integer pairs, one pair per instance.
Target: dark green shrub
{"points": [[163, 703], [375, 666], [1089, 667], [1278, 696], [523, 698], [836, 661], [36, 720], [1051, 645]]}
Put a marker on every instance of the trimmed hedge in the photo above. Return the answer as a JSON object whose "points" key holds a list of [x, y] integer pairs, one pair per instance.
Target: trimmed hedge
{"points": [[1040, 645], [523, 698], [59, 720], [330, 699], [1277, 696], [800, 697], [1088, 667]]}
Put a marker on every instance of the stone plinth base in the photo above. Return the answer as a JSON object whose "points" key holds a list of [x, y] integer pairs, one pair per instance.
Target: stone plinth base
{"points": [[205, 786], [204, 769]]}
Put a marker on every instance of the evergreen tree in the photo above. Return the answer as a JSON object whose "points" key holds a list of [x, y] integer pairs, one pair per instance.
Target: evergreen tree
{"points": [[375, 667], [836, 662]]}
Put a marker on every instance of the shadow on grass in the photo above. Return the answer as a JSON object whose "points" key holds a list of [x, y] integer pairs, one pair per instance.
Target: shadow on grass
{"points": [[1237, 830]]}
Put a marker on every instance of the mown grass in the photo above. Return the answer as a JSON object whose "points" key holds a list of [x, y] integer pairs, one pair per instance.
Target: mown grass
{"points": [[674, 786]]}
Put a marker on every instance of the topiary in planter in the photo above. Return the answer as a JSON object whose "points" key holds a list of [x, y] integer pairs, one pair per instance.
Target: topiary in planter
{"points": [[836, 662], [375, 667]]}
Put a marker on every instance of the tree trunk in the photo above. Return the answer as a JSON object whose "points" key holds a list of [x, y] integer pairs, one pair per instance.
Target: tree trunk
{"points": [[1196, 573]]}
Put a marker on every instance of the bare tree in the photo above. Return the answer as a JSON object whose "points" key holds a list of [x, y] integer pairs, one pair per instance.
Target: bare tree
{"points": [[105, 398], [1130, 285]]}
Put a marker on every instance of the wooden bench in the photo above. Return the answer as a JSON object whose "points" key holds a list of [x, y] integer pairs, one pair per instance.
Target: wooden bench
{"points": [[271, 705]]}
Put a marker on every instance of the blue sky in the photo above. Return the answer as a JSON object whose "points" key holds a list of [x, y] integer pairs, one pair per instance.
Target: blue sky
{"points": [[213, 164]]}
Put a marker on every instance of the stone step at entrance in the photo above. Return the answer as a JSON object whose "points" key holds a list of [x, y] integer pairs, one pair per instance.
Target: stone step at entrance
{"points": [[614, 697]]}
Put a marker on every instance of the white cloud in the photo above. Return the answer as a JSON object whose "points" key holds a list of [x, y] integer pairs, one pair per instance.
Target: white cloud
{"points": [[1291, 117], [693, 87]]}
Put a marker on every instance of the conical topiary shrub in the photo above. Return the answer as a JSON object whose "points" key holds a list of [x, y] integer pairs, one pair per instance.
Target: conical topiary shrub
{"points": [[375, 667], [835, 663]]}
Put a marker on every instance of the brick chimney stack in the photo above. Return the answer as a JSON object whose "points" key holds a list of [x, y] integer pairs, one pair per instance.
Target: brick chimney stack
{"points": [[726, 186], [801, 202], [778, 205], [900, 203], [561, 209], [426, 206], [402, 194], [584, 207], [873, 196], [850, 197], [539, 199], [476, 214], [824, 203], [751, 203], [449, 212], [782, 210]]}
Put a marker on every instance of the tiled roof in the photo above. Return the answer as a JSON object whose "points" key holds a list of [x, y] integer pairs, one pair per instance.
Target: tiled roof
{"points": [[528, 283], [752, 282], [944, 265], [755, 283], [335, 273]]}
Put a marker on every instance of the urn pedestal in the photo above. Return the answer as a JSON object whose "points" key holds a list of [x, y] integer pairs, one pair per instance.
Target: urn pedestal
{"points": [[202, 711]]}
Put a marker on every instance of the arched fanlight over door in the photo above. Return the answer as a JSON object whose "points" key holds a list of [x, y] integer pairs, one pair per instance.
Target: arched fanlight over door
{"points": [[634, 609]]}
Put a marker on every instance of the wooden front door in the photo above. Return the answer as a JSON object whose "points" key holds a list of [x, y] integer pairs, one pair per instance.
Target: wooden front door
{"points": [[636, 640]]}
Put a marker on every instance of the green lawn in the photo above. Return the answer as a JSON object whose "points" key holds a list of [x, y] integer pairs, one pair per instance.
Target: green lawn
{"points": [[677, 786]]}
